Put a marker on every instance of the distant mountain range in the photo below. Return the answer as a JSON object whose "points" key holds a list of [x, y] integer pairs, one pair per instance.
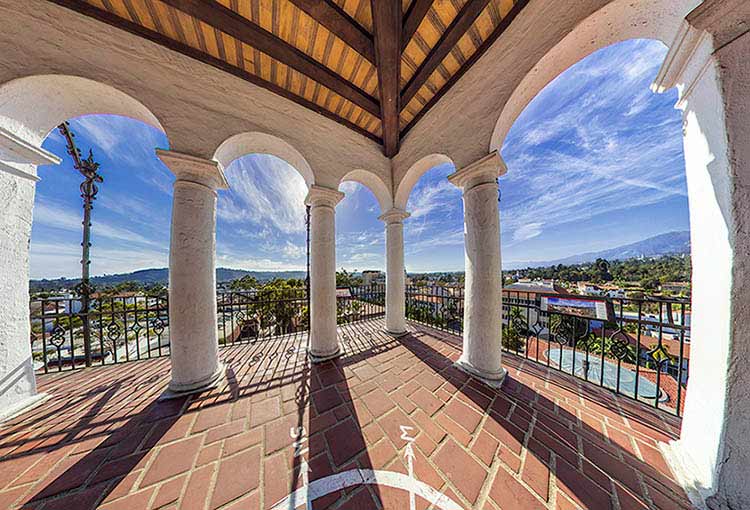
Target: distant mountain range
{"points": [[670, 243], [160, 275], [663, 244]]}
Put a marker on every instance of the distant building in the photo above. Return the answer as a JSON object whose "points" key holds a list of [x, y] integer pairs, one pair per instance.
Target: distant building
{"points": [[675, 287], [373, 277]]}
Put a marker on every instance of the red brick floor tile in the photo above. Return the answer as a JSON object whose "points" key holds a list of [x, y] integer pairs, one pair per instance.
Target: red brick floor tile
{"points": [[208, 454], [462, 414], [224, 431], [509, 494], [265, 411], [326, 399], [197, 490], [581, 489], [237, 476], [173, 459], [536, 475], [345, 440], [454, 430], [243, 441], [510, 459], [209, 417], [378, 402], [169, 492], [465, 473], [485, 447], [426, 401], [84, 500], [135, 500]]}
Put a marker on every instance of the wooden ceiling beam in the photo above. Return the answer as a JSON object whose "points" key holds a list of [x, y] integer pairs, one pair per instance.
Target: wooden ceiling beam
{"points": [[225, 19], [414, 16], [499, 29], [114, 20], [341, 24], [386, 20], [466, 17]]}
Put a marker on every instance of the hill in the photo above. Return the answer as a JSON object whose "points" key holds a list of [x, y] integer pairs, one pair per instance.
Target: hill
{"points": [[670, 243], [157, 275]]}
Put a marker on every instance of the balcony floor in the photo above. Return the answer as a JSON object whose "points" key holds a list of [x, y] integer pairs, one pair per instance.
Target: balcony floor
{"points": [[545, 440]]}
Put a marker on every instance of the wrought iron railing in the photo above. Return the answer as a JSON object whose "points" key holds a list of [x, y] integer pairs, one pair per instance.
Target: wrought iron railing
{"points": [[641, 352], [437, 306], [250, 315], [136, 326], [360, 303], [121, 328]]}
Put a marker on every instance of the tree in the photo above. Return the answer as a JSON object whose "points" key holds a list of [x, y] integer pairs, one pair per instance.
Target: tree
{"points": [[247, 282], [346, 279], [515, 331]]}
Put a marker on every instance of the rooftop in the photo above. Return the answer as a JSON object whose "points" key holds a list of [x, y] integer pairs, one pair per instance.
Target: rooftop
{"points": [[545, 440]]}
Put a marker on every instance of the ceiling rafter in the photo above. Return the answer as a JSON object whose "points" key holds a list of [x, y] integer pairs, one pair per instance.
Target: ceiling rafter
{"points": [[496, 33], [414, 16], [386, 20], [241, 28], [341, 24], [116, 21], [460, 25]]}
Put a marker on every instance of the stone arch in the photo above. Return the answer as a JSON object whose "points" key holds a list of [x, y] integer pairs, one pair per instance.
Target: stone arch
{"points": [[412, 175], [31, 107], [243, 144], [375, 184], [618, 21]]}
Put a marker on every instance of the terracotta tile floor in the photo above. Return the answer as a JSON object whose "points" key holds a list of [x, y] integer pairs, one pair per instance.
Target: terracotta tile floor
{"points": [[389, 421]]}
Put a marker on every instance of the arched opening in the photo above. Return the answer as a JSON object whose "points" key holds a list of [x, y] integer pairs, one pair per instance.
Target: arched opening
{"points": [[30, 110], [597, 176], [261, 239], [360, 247]]}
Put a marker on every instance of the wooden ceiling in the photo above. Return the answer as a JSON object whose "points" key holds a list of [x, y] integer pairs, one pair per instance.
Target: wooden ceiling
{"points": [[375, 66]]}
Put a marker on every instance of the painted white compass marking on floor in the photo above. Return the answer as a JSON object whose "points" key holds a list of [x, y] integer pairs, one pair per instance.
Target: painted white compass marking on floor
{"points": [[300, 449], [409, 456], [310, 491]]}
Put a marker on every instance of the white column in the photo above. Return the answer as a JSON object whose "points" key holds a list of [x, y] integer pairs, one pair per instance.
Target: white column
{"points": [[18, 161], [708, 64], [395, 280], [193, 328], [324, 343], [482, 350]]}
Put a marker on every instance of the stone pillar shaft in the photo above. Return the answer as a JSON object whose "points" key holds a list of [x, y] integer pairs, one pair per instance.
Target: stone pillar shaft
{"points": [[193, 325], [395, 279], [323, 340], [482, 350]]}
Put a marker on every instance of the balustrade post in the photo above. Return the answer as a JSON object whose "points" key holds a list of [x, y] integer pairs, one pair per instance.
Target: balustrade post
{"points": [[193, 325], [482, 346]]}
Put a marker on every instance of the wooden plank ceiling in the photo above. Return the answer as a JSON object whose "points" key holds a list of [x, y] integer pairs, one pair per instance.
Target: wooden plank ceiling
{"points": [[375, 66]]}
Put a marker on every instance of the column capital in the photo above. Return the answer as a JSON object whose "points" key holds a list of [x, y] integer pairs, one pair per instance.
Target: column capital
{"points": [[708, 27], [394, 215], [16, 153], [322, 196], [482, 171], [185, 167]]}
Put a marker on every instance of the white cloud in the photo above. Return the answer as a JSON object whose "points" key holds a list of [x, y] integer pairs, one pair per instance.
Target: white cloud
{"points": [[52, 259], [265, 192], [528, 231], [57, 216]]}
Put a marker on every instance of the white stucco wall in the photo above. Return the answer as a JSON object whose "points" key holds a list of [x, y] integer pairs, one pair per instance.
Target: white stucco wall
{"points": [[17, 382]]}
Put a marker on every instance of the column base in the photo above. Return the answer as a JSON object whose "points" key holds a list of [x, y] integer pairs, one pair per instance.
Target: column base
{"points": [[26, 404], [396, 334], [493, 380], [180, 390], [320, 358]]}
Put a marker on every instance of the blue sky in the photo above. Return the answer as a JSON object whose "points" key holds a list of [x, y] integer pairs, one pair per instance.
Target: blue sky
{"points": [[594, 161]]}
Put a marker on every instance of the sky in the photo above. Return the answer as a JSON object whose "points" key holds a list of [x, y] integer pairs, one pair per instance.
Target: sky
{"points": [[594, 161]]}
